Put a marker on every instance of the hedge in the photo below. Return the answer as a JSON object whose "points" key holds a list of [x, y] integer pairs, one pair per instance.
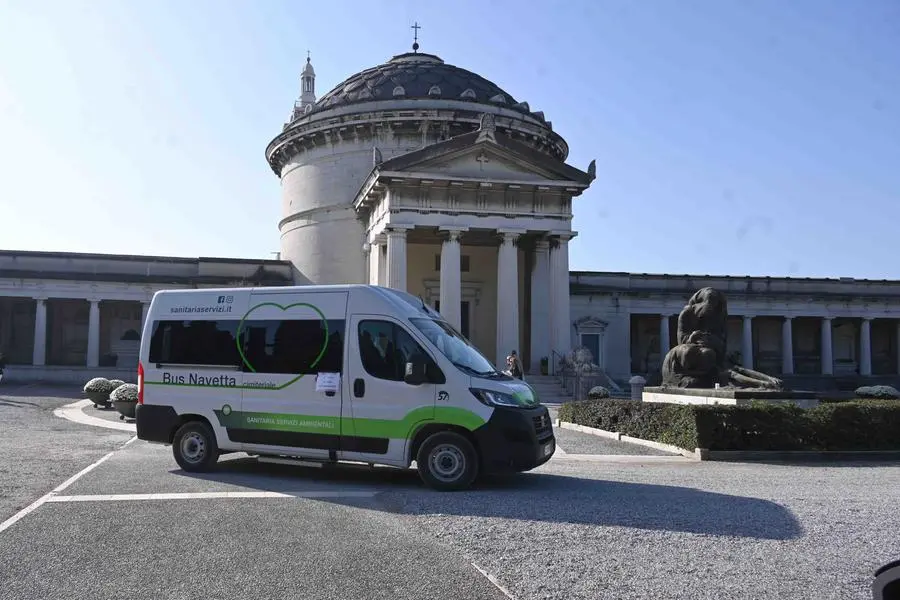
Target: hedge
{"points": [[852, 425]]}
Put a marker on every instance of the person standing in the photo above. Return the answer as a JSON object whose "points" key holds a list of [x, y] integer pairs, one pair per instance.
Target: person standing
{"points": [[514, 365]]}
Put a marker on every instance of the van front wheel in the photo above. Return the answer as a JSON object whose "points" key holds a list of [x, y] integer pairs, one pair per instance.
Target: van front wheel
{"points": [[194, 447], [447, 461]]}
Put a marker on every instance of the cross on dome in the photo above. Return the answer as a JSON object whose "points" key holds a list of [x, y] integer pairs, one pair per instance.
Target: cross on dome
{"points": [[415, 27]]}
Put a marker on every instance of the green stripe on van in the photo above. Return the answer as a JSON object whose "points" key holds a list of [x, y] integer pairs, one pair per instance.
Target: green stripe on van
{"points": [[374, 428]]}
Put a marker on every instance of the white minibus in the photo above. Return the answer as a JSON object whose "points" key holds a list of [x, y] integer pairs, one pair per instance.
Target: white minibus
{"points": [[330, 373]]}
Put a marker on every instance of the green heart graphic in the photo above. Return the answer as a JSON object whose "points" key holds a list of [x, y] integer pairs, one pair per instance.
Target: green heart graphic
{"points": [[240, 331]]}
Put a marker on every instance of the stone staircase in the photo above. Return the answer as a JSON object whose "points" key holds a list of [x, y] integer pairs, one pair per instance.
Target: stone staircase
{"points": [[549, 390]]}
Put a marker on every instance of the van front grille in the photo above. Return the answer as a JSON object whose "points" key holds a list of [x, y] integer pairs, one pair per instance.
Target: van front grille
{"points": [[542, 426]]}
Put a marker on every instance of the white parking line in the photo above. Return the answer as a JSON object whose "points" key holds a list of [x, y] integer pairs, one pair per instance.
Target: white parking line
{"points": [[46, 497], [629, 458], [213, 495], [494, 581]]}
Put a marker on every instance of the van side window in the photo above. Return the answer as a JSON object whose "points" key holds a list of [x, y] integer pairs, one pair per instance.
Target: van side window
{"points": [[294, 346], [385, 348], [208, 343]]}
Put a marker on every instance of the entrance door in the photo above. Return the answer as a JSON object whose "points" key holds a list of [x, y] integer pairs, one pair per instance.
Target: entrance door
{"points": [[289, 341], [592, 342], [382, 409], [464, 307]]}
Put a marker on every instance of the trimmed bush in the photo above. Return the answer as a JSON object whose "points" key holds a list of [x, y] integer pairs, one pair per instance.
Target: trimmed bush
{"points": [[598, 393], [127, 392], [116, 383], [878, 392], [667, 423], [99, 385], [852, 425]]}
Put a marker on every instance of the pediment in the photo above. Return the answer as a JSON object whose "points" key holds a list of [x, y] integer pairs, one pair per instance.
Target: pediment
{"points": [[590, 325], [484, 162], [486, 154]]}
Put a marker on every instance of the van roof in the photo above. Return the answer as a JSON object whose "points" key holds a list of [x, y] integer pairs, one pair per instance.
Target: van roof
{"points": [[403, 301], [274, 288]]}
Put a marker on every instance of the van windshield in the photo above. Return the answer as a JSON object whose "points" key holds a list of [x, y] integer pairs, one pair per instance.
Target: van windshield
{"points": [[454, 346]]}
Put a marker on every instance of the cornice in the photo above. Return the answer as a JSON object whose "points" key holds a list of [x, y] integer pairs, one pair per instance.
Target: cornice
{"points": [[326, 129]]}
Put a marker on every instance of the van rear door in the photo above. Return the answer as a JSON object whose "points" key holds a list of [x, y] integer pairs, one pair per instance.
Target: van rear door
{"points": [[289, 340]]}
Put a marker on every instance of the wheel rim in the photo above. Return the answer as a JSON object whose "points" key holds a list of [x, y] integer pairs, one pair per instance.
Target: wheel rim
{"points": [[447, 463], [193, 447]]}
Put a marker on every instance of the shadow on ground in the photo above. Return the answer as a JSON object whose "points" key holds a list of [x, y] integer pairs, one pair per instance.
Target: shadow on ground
{"points": [[533, 497], [32, 390]]}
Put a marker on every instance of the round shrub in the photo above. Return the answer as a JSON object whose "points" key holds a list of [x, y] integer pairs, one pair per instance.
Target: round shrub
{"points": [[878, 392], [116, 383], [127, 392], [598, 393], [99, 385]]}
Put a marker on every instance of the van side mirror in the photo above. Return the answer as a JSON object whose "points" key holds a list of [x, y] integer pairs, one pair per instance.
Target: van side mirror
{"points": [[416, 370]]}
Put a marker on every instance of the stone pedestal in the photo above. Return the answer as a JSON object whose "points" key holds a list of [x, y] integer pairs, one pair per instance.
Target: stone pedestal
{"points": [[637, 384], [728, 396]]}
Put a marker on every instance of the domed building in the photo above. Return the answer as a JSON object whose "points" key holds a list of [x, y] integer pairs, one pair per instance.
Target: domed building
{"points": [[423, 176]]}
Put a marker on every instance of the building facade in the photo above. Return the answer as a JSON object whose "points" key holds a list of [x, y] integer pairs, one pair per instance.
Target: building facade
{"points": [[423, 176], [815, 333], [67, 317]]}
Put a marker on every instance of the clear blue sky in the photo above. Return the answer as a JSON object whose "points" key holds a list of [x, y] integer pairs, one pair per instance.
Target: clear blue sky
{"points": [[731, 137]]}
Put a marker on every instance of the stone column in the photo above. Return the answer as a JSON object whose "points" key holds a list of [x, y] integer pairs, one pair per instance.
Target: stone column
{"points": [[827, 347], [540, 306], [381, 261], [372, 264], [560, 309], [865, 347], [39, 355], [787, 346], [747, 343], [664, 341], [396, 258], [451, 283], [367, 262], [93, 349], [507, 297]]}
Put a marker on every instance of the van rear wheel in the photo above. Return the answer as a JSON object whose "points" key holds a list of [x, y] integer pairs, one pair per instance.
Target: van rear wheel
{"points": [[194, 447], [447, 461]]}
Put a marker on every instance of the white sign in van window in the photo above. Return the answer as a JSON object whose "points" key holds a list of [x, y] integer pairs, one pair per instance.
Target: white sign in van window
{"points": [[328, 382]]}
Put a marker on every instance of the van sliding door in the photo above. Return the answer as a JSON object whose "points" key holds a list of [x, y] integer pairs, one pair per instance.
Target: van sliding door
{"points": [[292, 347]]}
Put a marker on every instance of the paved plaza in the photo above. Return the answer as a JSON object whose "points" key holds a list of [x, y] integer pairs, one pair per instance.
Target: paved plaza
{"points": [[88, 510]]}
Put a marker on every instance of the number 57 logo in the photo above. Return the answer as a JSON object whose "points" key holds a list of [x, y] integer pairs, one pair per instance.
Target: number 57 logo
{"points": [[443, 396]]}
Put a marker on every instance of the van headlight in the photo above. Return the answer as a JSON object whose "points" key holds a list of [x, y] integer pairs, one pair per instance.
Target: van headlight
{"points": [[495, 398]]}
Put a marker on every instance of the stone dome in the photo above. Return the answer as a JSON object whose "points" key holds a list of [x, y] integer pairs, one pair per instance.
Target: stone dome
{"points": [[419, 76]]}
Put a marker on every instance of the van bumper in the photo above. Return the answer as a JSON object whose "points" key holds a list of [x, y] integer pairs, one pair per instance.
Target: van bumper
{"points": [[516, 440], [156, 423]]}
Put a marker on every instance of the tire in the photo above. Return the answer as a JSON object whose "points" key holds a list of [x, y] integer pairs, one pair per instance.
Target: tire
{"points": [[447, 461], [194, 447]]}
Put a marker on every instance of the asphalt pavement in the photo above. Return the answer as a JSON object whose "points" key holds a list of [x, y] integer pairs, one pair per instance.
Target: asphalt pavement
{"points": [[40, 450]]}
